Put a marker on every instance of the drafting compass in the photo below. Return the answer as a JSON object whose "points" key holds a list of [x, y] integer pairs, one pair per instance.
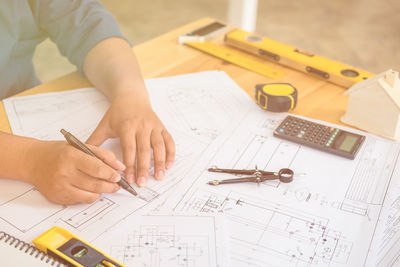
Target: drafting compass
{"points": [[284, 175]]}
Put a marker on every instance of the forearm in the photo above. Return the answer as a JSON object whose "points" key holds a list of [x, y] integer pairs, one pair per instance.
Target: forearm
{"points": [[113, 69], [12, 156]]}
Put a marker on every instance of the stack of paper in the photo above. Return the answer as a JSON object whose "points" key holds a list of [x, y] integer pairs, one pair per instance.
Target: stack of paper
{"points": [[343, 213]]}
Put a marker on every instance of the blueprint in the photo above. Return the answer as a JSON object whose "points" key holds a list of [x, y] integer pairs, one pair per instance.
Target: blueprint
{"points": [[195, 108], [385, 250], [164, 241], [341, 213], [327, 218]]}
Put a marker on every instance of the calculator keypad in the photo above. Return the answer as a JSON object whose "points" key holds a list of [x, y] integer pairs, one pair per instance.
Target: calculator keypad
{"points": [[319, 136], [308, 131]]}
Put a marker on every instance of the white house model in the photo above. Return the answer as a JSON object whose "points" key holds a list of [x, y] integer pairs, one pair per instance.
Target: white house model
{"points": [[374, 105]]}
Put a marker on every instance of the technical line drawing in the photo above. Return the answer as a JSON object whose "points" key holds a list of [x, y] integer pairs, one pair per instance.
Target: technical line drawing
{"points": [[195, 108], [94, 211], [288, 235], [207, 121], [16, 211], [371, 178], [159, 246], [166, 241], [54, 111], [271, 124]]}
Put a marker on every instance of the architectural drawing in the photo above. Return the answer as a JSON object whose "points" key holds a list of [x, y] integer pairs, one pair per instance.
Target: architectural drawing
{"points": [[160, 246], [286, 235], [333, 216], [165, 241], [42, 116], [95, 210], [192, 119], [371, 178], [12, 210], [303, 223], [385, 250]]}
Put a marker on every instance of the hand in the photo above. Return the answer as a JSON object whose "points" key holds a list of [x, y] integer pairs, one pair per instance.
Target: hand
{"points": [[66, 175], [131, 118]]}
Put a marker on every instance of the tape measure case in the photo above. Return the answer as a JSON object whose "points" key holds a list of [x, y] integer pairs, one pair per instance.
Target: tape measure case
{"points": [[276, 97]]}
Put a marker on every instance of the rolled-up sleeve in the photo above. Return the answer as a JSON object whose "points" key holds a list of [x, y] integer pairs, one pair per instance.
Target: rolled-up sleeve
{"points": [[76, 26]]}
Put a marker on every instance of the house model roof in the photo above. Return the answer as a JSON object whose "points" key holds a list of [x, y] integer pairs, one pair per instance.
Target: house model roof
{"points": [[388, 81]]}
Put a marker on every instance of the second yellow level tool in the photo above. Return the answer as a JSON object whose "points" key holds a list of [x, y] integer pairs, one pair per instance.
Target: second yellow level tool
{"points": [[237, 59], [307, 62], [71, 250]]}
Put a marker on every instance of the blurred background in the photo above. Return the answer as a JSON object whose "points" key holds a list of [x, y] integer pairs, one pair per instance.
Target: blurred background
{"points": [[362, 33]]}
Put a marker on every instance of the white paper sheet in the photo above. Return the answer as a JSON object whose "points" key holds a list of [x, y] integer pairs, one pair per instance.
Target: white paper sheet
{"points": [[327, 218], [195, 108], [166, 241], [343, 213]]}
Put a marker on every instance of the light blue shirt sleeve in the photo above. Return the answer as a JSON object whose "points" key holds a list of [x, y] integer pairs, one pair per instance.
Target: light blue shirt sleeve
{"points": [[75, 26]]}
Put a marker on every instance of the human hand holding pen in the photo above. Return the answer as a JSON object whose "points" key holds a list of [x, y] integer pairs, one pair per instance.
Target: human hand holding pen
{"points": [[73, 141], [67, 176]]}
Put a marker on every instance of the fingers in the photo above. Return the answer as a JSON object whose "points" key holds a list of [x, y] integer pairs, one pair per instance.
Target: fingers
{"points": [[143, 156], [100, 134], [157, 143], [163, 151], [94, 185], [108, 158], [94, 167], [128, 145], [75, 196], [170, 148]]}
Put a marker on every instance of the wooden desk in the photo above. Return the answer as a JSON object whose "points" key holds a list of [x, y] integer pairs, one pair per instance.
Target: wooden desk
{"points": [[162, 56]]}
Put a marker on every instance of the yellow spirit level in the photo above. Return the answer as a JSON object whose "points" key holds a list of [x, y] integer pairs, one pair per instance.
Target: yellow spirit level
{"points": [[304, 61], [71, 250], [276, 97], [234, 57]]}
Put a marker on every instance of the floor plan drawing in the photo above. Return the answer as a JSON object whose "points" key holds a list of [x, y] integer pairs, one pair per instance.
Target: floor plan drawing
{"points": [[289, 236], [166, 241], [213, 95], [340, 213], [95, 210], [302, 223], [10, 211]]}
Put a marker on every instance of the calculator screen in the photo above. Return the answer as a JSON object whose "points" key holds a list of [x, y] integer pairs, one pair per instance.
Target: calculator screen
{"points": [[348, 143]]}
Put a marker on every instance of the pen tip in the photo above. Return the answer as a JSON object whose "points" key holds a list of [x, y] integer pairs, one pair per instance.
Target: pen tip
{"points": [[132, 191]]}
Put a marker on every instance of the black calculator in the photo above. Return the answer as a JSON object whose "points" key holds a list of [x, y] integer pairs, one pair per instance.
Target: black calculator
{"points": [[322, 137]]}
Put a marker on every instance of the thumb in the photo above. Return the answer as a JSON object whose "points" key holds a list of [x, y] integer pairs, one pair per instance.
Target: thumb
{"points": [[99, 135]]}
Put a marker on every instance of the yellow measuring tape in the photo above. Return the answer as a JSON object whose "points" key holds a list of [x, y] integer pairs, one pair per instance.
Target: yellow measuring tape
{"points": [[304, 61], [276, 97], [237, 59]]}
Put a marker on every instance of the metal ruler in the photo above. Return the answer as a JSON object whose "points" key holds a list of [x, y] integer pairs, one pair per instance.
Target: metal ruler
{"points": [[237, 59]]}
